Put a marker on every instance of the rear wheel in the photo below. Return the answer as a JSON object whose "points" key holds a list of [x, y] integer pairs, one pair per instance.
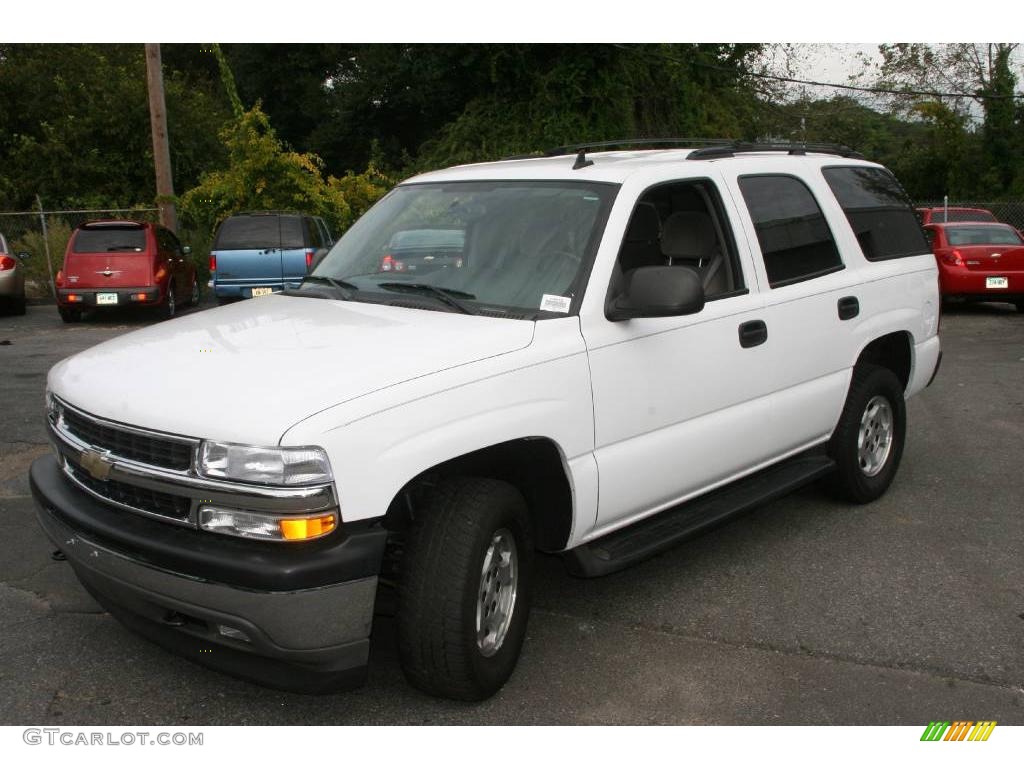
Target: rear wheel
{"points": [[464, 595], [70, 315], [1019, 305], [19, 305], [868, 442], [169, 308]]}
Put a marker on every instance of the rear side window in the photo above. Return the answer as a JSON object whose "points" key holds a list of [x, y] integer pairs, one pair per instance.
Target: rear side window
{"points": [[257, 232], [103, 239], [795, 240], [878, 211]]}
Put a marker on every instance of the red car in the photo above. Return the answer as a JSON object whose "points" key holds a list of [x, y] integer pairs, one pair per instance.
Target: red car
{"points": [[979, 261], [117, 263], [943, 215]]}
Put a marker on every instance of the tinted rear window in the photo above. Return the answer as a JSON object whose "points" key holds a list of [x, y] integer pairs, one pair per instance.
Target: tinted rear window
{"points": [[252, 232], [795, 239], [878, 211], [982, 236], [103, 239]]}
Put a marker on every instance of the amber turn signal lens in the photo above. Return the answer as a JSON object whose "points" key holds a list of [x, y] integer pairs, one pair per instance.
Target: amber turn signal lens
{"points": [[307, 527]]}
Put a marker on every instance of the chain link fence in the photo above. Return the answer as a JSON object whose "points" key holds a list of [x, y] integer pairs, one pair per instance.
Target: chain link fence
{"points": [[44, 236], [1008, 211]]}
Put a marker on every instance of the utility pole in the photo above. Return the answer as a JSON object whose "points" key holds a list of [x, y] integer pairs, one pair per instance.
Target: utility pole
{"points": [[161, 148]]}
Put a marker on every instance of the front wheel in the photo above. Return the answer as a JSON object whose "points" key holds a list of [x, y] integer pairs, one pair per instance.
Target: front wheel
{"points": [[868, 442], [464, 594]]}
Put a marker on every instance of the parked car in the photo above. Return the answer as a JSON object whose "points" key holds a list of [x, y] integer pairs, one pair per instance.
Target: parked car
{"points": [[12, 279], [125, 263], [638, 346], [979, 262], [258, 253], [424, 250], [942, 215]]}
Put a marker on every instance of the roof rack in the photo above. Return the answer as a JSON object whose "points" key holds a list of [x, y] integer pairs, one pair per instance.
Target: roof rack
{"points": [[580, 150], [730, 149]]}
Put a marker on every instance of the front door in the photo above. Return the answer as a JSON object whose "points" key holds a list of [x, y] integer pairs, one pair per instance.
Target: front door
{"points": [[680, 403]]}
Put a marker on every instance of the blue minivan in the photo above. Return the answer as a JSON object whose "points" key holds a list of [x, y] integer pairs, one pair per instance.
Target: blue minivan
{"points": [[265, 251]]}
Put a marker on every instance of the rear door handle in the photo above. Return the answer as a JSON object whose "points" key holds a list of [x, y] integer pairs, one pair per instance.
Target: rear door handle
{"points": [[848, 307], [753, 333]]}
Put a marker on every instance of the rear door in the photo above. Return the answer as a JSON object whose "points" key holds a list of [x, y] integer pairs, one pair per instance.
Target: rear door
{"points": [[248, 252]]}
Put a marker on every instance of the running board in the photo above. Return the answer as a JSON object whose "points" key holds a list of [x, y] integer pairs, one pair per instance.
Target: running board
{"points": [[626, 546]]}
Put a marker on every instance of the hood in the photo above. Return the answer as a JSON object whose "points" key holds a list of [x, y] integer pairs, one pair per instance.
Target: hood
{"points": [[247, 372]]}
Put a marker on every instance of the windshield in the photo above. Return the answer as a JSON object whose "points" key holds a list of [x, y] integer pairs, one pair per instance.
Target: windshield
{"points": [[982, 236], [518, 246]]}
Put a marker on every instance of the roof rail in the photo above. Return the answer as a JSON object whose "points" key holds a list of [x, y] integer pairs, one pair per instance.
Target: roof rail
{"points": [[575, 149], [670, 142], [794, 148]]}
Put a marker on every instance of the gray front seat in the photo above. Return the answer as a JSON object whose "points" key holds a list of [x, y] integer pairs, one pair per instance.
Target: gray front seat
{"points": [[689, 238]]}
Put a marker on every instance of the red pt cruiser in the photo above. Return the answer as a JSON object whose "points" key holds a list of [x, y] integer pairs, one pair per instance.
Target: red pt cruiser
{"points": [[117, 263], [979, 261]]}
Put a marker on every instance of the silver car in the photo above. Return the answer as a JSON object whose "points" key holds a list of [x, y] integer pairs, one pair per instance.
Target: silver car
{"points": [[12, 280]]}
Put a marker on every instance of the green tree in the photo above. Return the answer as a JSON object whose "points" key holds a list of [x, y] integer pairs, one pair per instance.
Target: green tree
{"points": [[74, 125]]}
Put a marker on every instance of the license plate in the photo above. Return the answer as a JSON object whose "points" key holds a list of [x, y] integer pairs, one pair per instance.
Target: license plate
{"points": [[106, 298], [997, 282], [261, 291]]}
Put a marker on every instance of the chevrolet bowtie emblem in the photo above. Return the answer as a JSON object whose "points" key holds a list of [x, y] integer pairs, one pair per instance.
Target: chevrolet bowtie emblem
{"points": [[96, 464]]}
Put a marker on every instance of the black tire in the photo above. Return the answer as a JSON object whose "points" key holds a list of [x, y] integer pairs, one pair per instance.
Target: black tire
{"points": [[20, 306], [857, 479], [169, 307], [1019, 305], [70, 315], [441, 586]]}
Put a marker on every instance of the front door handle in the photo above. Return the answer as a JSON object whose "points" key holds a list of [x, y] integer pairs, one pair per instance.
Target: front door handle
{"points": [[848, 307], [753, 333]]}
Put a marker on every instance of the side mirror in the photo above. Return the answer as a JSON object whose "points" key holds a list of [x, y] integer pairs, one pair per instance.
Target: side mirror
{"points": [[186, 249], [24, 255], [658, 292]]}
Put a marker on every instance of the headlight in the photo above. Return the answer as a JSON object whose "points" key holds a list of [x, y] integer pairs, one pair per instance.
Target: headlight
{"points": [[266, 466]]}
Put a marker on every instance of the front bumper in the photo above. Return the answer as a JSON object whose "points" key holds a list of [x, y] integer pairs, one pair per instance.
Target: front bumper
{"points": [[289, 625]]}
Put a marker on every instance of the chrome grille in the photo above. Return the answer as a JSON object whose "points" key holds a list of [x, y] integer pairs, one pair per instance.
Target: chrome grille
{"points": [[144, 448], [140, 499]]}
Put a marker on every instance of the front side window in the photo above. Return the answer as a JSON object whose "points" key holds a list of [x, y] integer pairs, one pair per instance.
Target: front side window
{"points": [[682, 224], [796, 242], [878, 211], [519, 248]]}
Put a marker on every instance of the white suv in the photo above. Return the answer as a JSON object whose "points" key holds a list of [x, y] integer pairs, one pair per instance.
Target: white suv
{"points": [[608, 352]]}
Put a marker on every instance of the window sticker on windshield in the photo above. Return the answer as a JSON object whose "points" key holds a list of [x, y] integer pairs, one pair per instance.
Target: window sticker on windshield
{"points": [[551, 303]]}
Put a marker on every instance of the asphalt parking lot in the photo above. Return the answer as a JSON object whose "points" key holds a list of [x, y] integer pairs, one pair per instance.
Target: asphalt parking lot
{"points": [[806, 612]]}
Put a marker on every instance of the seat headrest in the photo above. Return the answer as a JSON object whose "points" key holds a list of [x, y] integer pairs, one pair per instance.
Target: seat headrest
{"points": [[688, 234], [645, 226]]}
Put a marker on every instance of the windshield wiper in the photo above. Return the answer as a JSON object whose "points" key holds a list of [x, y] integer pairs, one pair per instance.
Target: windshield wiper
{"points": [[445, 295], [344, 288]]}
